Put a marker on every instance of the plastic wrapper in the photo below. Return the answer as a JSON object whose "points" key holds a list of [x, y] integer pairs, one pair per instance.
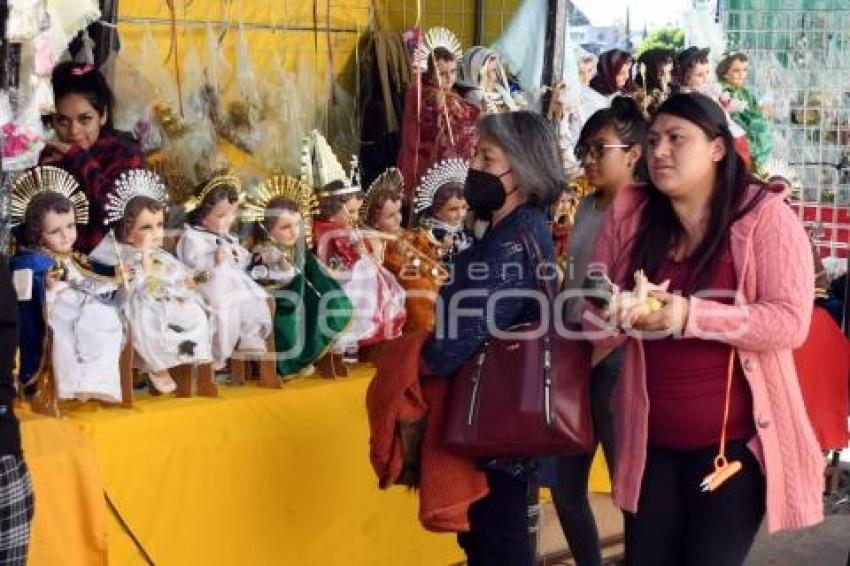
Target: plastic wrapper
{"points": [[243, 102], [23, 135], [188, 153], [342, 124], [22, 22], [134, 111], [286, 121]]}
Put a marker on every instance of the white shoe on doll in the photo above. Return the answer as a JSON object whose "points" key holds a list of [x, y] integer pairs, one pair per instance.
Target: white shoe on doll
{"points": [[307, 371], [163, 382], [252, 346]]}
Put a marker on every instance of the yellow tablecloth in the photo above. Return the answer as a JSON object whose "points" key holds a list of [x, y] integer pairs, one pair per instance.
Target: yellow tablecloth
{"points": [[70, 522], [258, 476], [255, 477]]}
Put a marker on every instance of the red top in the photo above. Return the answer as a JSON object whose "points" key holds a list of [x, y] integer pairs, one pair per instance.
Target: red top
{"points": [[425, 137], [335, 245], [686, 377], [823, 368], [96, 170]]}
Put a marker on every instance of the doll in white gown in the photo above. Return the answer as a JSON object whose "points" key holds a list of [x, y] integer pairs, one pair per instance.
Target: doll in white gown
{"points": [[77, 300], [168, 317], [240, 312]]}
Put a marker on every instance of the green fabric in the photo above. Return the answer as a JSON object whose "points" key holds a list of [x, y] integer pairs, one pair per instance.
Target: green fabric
{"points": [[758, 129], [769, 5], [297, 316]]}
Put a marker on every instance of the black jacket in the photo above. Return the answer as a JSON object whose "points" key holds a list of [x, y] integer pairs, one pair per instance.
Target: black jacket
{"points": [[463, 306], [10, 434]]}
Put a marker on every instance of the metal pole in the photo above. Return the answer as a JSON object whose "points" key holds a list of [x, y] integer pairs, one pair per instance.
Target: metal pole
{"points": [[553, 52], [478, 33]]}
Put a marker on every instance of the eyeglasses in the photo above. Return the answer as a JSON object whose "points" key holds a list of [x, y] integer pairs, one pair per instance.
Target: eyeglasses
{"points": [[596, 150]]}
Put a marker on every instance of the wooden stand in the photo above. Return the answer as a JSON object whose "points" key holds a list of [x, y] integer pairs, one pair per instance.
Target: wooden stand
{"points": [[241, 368]]}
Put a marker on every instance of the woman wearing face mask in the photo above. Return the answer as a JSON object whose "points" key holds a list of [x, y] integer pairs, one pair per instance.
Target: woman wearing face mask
{"points": [[740, 276], [610, 152], [512, 180], [86, 144]]}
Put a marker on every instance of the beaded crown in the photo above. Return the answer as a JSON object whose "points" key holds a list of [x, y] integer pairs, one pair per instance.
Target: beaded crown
{"points": [[431, 40], [447, 171], [131, 184]]}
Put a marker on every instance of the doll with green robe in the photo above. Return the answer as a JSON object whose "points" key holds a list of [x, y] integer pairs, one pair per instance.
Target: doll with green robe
{"points": [[744, 108], [311, 309]]}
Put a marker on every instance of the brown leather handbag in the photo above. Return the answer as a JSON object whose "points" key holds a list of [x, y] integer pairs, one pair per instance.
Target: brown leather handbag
{"points": [[528, 396]]}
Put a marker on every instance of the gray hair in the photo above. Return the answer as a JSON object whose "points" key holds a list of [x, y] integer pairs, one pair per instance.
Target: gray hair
{"points": [[587, 58], [531, 146]]}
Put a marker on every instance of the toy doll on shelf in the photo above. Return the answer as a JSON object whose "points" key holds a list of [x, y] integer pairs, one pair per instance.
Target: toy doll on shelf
{"points": [[376, 296], [623, 307], [745, 109], [311, 309], [62, 291], [168, 317], [440, 201], [240, 312], [490, 90], [412, 256]]}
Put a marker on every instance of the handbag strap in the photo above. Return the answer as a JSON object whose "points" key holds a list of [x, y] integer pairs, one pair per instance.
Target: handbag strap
{"points": [[535, 255]]}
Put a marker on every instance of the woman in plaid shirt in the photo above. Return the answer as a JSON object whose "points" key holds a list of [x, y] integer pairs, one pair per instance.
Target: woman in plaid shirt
{"points": [[16, 499], [86, 144]]}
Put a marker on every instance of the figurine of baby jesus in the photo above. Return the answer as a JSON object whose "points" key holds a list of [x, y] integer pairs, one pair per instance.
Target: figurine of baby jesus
{"points": [[625, 307]]}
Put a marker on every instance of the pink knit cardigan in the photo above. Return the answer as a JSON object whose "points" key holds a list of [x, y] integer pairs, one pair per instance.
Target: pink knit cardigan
{"points": [[770, 317]]}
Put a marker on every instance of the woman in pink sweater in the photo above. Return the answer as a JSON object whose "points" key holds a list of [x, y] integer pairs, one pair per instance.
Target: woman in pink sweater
{"points": [[741, 284]]}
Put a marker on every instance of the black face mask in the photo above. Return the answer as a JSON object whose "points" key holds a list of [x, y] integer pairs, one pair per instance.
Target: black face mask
{"points": [[484, 192]]}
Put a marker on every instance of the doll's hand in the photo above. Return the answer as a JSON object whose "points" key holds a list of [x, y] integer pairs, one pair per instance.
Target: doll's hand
{"points": [[59, 146], [52, 279], [147, 259], [222, 254]]}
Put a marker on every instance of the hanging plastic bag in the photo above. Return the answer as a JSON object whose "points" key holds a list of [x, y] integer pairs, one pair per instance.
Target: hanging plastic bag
{"points": [[44, 59], [135, 112], [243, 102], [284, 123], [23, 135], [22, 22]]}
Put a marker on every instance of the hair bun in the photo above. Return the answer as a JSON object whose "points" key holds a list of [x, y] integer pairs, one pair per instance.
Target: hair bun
{"points": [[626, 108]]}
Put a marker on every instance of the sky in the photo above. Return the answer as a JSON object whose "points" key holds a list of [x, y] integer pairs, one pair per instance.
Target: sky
{"points": [[655, 13]]}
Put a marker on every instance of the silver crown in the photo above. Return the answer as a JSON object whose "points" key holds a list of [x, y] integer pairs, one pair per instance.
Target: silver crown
{"points": [[46, 179], [440, 174], [131, 184]]}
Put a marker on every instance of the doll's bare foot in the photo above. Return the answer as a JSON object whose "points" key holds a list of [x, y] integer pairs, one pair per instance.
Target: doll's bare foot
{"points": [[163, 382]]}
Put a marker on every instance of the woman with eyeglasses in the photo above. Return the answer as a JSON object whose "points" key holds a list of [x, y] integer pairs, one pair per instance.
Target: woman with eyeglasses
{"points": [[712, 433], [609, 149]]}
